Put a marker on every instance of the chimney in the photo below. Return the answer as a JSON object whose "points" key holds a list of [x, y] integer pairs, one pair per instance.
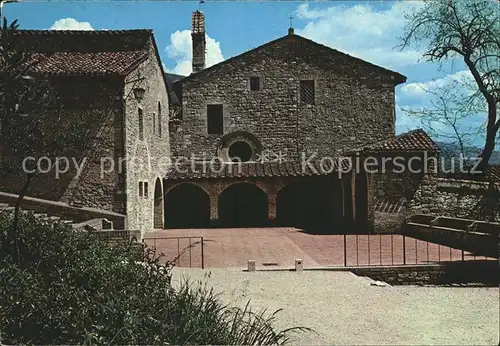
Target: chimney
{"points": [[198, 37]]}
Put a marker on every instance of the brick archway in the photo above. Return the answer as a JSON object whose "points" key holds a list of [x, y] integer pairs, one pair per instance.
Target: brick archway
{"points": [[243, 205], [187, 206]]}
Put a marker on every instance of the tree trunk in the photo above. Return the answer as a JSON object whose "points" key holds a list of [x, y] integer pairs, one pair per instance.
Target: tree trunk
{"points": [[491, 132], [17, 210]]}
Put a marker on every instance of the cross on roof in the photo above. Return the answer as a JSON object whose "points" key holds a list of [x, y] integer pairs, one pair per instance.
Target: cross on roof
{"points": [[291, 20]]}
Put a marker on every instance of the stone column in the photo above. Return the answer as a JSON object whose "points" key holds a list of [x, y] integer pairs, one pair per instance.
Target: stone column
{"points": [[214, 207], [271, 202], [371, 190]]}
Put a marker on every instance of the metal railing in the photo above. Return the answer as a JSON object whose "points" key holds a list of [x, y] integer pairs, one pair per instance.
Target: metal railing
{"points": [[395, 249], [181, 251]]}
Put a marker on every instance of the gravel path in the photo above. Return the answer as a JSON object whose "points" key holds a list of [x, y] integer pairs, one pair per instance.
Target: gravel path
{"points": [[345, 309]]}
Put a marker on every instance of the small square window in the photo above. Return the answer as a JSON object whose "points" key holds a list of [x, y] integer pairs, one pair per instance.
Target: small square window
{"points": [[307, 92], [254, 83], [215, 121]]}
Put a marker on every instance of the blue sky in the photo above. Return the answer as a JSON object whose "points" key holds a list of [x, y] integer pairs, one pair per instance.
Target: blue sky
{"points": [[366, 29]]}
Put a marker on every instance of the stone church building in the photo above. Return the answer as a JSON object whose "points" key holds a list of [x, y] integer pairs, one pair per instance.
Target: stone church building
{"points": [[252, 141], [270, 108]]}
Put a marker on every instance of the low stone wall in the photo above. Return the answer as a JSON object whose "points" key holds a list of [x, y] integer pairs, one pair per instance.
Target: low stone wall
{"points": [[467, 272], [456, 198]]}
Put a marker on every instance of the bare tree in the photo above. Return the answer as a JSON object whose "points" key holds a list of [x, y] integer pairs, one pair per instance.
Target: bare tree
{"points": [[469, 30], [452, 114]]}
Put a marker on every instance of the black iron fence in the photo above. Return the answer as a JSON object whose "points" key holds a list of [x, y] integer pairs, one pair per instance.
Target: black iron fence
{"points": [[395, 249], [181, 251]]}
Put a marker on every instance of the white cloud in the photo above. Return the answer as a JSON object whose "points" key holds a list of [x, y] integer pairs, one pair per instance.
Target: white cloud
{"points": [[180, 50], [420, 89], [361, 31], [70, 24]]}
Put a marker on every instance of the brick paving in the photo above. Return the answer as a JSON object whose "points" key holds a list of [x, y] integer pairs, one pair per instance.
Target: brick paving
{"points": [[279, 247]]}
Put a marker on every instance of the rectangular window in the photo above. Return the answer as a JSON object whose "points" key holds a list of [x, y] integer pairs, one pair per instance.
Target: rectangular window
{"points": [[254, 83], [145, 189], [215, 124], [307, 92], [141, 125], [141, 190]]}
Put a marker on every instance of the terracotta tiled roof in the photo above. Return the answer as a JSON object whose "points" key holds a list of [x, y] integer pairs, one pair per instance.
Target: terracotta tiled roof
{"points": [[76, 63], [249, 170], [412, 141], [78, 52]]}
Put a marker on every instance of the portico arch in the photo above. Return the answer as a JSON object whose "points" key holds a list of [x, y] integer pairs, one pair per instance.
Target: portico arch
{"points": [[243, 205], [187, 206]]}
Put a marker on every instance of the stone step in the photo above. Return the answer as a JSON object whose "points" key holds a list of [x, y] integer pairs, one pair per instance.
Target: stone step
{"points": [[40, 216], [54, 218]]}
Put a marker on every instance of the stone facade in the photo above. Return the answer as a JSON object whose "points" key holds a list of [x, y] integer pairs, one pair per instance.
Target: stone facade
{"points": [[147, 159], [353, 101]]}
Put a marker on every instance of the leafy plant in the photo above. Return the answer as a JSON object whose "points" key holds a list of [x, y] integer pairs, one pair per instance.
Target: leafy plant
{"points": [[72, 288]]}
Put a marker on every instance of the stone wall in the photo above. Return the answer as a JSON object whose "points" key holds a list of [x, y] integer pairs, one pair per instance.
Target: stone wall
{"points": [[456, 198], [354, 101], [147, 160], [90, 103], [468, 272], [390, 188]]}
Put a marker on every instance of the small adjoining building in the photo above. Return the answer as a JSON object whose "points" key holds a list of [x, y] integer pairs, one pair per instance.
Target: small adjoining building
{"points": [[119, 76]]}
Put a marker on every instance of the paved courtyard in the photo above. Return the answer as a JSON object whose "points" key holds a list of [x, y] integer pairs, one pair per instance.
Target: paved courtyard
{"points": [[345, 309], [279, 247]]}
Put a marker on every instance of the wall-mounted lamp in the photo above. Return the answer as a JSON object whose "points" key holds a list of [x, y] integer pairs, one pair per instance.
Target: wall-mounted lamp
{"points": [[139, 93]]}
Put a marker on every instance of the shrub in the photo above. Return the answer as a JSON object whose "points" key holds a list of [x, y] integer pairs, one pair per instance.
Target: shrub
{"points": [[72, 288]]}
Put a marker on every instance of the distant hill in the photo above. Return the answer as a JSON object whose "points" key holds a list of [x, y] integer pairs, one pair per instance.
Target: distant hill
{"points": [[449, 150]]}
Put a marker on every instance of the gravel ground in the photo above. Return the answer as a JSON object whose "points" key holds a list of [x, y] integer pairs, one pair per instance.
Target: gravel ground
{"points": [[344, 309]]}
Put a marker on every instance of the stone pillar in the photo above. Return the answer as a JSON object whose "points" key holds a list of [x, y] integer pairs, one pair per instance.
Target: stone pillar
{"points": [[371, 190], [214, 207]]}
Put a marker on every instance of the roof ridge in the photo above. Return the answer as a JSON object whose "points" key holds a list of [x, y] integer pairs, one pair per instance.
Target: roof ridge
{"points": [[282, 38]]}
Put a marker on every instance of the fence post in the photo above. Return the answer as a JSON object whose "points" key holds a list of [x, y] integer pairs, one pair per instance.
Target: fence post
{"points": [[190, 261], [404, 249], [202, 255], [345, 250]]}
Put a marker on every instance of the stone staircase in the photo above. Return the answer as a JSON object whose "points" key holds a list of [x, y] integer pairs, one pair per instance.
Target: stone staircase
{"points": [[102, 226]]}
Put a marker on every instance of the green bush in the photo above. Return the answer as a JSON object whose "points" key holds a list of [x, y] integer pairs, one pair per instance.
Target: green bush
{"points": [[72, 288]]}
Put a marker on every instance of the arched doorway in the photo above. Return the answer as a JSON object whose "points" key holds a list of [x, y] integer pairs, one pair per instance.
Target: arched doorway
{"points": [[158, 205], [308, 205], [243, 205], [187, 206]]}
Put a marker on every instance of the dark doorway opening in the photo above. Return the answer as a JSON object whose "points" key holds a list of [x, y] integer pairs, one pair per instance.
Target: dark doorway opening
{"points": [[243, 205], [187, 206], [309, 205], [240, 150]]}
